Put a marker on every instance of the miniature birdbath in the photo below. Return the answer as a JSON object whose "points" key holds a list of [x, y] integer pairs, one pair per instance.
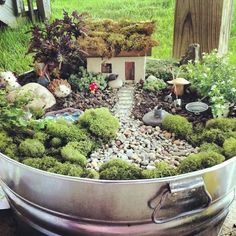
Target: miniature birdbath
{"points": [[178, 85], [196, 107]]}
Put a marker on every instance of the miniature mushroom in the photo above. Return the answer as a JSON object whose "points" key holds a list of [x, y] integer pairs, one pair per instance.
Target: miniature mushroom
{"points": [[178, 85]]}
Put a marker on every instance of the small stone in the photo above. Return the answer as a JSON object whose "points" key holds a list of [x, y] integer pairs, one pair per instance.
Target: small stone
{"points": [[167, 135], [149, 167], [128, 133], [144, 162], [129, 152], [177, 142]]}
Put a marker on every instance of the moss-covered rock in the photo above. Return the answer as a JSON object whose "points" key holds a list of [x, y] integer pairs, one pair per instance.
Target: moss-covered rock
{"points": [[230, 147], [67, 169], [44, 163], [163, 169], [5, 141], [226, 124], [100, 122], [200, 161], [31, 148], [91, 174], [178, 125], [119, 170], [71, 154], [205, 147]]}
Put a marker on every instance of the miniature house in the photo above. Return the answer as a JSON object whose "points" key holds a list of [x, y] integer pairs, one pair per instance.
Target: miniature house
{"points": [[129, 66]]}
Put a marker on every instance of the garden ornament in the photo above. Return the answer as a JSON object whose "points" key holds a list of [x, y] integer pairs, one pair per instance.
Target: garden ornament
{"points": [[42, 72], [196, 107], [192, 54], [158, 112], [9, 80], [60, 88], [93, 87], [177, 102], [168, 98], [178, 85], [114, 81]]}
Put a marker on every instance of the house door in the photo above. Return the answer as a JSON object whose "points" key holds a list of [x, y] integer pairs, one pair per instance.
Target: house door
{"points": [[129, 70]]}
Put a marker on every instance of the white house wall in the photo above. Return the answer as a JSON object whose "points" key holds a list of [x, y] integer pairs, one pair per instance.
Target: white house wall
{"points": [[118, 66]]}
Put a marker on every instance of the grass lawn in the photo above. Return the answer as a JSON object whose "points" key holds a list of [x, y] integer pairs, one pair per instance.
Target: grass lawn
{"points": [[14, 43]]}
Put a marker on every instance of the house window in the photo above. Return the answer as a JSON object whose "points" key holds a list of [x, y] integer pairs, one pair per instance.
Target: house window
{"points": [[106, 68]]}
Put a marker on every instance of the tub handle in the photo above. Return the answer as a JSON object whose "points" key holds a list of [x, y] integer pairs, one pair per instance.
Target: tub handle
{"points": [[188, 194]]}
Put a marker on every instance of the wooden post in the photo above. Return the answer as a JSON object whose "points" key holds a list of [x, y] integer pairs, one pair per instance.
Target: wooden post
{"points": [[44, 9], [206, 22], [31, 10]]}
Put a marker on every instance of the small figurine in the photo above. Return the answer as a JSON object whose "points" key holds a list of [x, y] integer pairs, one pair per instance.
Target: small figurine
{"points": [[192, 54], [9, 81], [60, 88]]}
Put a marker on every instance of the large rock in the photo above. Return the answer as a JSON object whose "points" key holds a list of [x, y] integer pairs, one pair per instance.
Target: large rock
{"points": [[117, 83], [42, 97], [152, 120]]}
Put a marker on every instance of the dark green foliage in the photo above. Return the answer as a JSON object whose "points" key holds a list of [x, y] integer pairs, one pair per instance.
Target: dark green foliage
{"points": [[71, 154], [100, 122], [67, 169], [56, 142], [44, 163], [91, 174], [178, 125], [37, 112], [163, 169], [230, 147], [32, 148], [226, 124], [119, 170], [200, 161], [5, 141], [205, 147], [154, 85]]}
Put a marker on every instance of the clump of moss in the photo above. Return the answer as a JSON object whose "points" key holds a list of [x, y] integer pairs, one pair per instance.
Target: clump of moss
{"points": [[41, 136], [225, 124], [163, 169], [5, 141], [32, 148], [178, 125], [119, 170], [100, 122], [12, 151], [67, 169], [154, 85], [230, 147], [91, 174], [216, 136], [71, 154], [205, 147], [84, 147], [56, 142], [44, 163], [200, 161]]}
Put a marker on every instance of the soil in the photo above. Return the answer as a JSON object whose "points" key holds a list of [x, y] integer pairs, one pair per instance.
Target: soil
{"points": [[146, 101]]}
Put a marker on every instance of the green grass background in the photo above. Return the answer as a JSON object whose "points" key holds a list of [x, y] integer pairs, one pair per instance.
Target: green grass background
{"points": [[14, 42]]}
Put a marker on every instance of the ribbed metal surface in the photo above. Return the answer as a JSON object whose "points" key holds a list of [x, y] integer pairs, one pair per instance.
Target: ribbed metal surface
{"points": [[60, 205]]}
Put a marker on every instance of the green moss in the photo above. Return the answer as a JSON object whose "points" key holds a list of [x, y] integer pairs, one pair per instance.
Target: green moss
{"points": [[230, 147], [67, 169], [44, 163], [154, 85], [12, 151], [84, 147], [91, 174], [216, 136], [178, 125], [56, 142], [100, 122], [163, 169], [32, 148], [41, 136], [200, 161], [211, 147], [119, 170], [71, 154], [5, 141], [226, 124]]}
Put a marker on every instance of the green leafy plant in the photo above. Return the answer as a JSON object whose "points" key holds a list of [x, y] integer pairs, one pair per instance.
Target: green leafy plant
{"points": [[214, 77], [154, 85]]}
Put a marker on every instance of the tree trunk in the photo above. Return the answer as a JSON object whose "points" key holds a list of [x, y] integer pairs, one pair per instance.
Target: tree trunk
{"points": [[206, 22]]}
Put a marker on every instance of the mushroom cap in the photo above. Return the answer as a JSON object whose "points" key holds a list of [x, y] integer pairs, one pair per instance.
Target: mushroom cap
{"points": [[178, 81]]}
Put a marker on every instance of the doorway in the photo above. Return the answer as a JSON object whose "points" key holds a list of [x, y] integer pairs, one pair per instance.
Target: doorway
{"points": [[129, 71]]}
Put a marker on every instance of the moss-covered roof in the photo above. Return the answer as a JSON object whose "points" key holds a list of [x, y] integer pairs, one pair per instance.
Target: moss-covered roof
{"points": [[108, 38]]}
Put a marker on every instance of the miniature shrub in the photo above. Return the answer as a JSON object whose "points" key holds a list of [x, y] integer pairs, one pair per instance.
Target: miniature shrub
{"points": [[67, 169], [119, 170], [5, 141], [56, 142], [178, 125], [71, 154], [100, 122], [32, 148], [226, 124], [200, 161], [163, 169], [44, 163], [205, 147], [91, 174], [154, 85], [230, 147]]}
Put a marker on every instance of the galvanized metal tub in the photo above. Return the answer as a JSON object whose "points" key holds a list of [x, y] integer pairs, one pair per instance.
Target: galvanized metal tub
{"points": [[190, 204]]}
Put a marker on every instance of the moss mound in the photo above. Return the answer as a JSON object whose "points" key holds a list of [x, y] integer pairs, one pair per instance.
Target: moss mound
{"points": [[225, 124], [5, 141], [205, 147], [230, 147], [31, 148]]}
